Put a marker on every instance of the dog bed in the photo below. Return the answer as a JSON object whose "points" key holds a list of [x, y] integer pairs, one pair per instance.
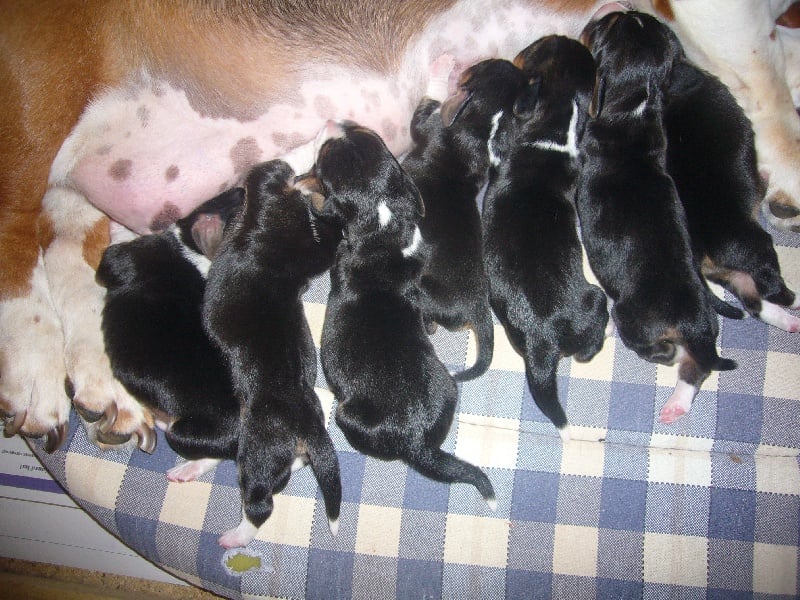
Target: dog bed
{"points": [[708, 507]]}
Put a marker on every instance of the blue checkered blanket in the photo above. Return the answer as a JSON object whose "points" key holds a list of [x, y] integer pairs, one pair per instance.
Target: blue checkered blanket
{"points": [[707, 507]]}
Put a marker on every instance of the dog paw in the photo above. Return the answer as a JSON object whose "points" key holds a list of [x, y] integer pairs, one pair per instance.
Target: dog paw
{"points": [[192, 470], [678, 404], [111, 416], [240, 536], [782, 211], [774, 315], [31, 367]]}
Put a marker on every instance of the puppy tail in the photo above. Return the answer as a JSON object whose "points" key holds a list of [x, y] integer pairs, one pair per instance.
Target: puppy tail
{"points": [[723, 308], [325, 465], [483, 326], [541, 365], [438, 465], [705, 353]]}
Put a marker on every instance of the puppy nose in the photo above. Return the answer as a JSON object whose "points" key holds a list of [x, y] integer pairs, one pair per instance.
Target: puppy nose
{"points": [[609, 8]]}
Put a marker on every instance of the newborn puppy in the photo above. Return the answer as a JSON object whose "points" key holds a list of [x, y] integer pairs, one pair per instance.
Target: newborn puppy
{"points": [[396, 399], [254, 313], [711, 156], [532, 251], [448, 163], [633, 225], [155, 339]]}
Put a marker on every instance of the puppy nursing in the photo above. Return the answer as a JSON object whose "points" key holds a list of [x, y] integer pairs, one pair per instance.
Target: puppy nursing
{"points": [[532, 251], [154, 336], [396, 400], [254, 313], [711, 156], [448, 163], [634, 227]]}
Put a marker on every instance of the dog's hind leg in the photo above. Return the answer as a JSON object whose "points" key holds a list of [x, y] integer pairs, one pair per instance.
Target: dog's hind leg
{"points": [[438, 465]]}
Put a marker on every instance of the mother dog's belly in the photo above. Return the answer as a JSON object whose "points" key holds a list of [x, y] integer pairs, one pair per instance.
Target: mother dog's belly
{"points": [[144, 155]]}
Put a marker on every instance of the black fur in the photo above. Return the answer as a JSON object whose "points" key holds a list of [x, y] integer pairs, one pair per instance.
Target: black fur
{"points": [[155, 339], [449, 164], [533, 254], [711, 156], [254, 312], [634, 227], [396, 399]]}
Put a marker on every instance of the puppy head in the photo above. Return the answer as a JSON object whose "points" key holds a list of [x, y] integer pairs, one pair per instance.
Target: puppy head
{"points": [[635, 55], [561, 73], [364, 186], [486, 91], [146, 258], [278, 219]]}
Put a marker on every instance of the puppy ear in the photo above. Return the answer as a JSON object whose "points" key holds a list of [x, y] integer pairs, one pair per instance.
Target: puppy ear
{"points": [[420, 203], [526, 101], [686, 78], [453, 106], [598, 96]]}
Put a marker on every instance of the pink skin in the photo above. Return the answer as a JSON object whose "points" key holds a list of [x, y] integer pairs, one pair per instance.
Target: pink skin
{"points": [[678, 403], [192, 470], [145, 156]]}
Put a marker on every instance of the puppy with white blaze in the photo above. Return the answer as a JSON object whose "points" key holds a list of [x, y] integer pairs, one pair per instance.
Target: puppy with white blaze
{"points": [[532, 251], [449, 164], [396, 400], [254, 313]]}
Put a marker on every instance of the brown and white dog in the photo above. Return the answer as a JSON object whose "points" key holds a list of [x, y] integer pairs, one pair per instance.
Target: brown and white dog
{"points": [[139, 110]]}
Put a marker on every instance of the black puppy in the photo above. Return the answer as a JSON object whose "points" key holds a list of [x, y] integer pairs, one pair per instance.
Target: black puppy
{"points": [[155, 340], [711, 156], [633, 224], [448, 163], [533, 254], [253, 311], [396, 400]]}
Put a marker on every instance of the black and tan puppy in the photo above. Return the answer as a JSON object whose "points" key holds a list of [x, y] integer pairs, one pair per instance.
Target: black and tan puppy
{"points": [[711, 156], [396, 400], [633, 225], [449, 163], [532, 251], [155, 339], [253, 311]]}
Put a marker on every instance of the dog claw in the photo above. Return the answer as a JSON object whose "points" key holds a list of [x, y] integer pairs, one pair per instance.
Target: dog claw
{"points": [[55, 438], [110, 417], [146, 439], [12, 428], [110, 438], [89, 416]]}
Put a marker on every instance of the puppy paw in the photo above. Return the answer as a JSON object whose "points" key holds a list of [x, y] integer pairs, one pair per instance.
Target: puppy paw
{"points": [[240, 536], [776, 316], [32, 369], [439, 76], [678, 404], [192, 470]]}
